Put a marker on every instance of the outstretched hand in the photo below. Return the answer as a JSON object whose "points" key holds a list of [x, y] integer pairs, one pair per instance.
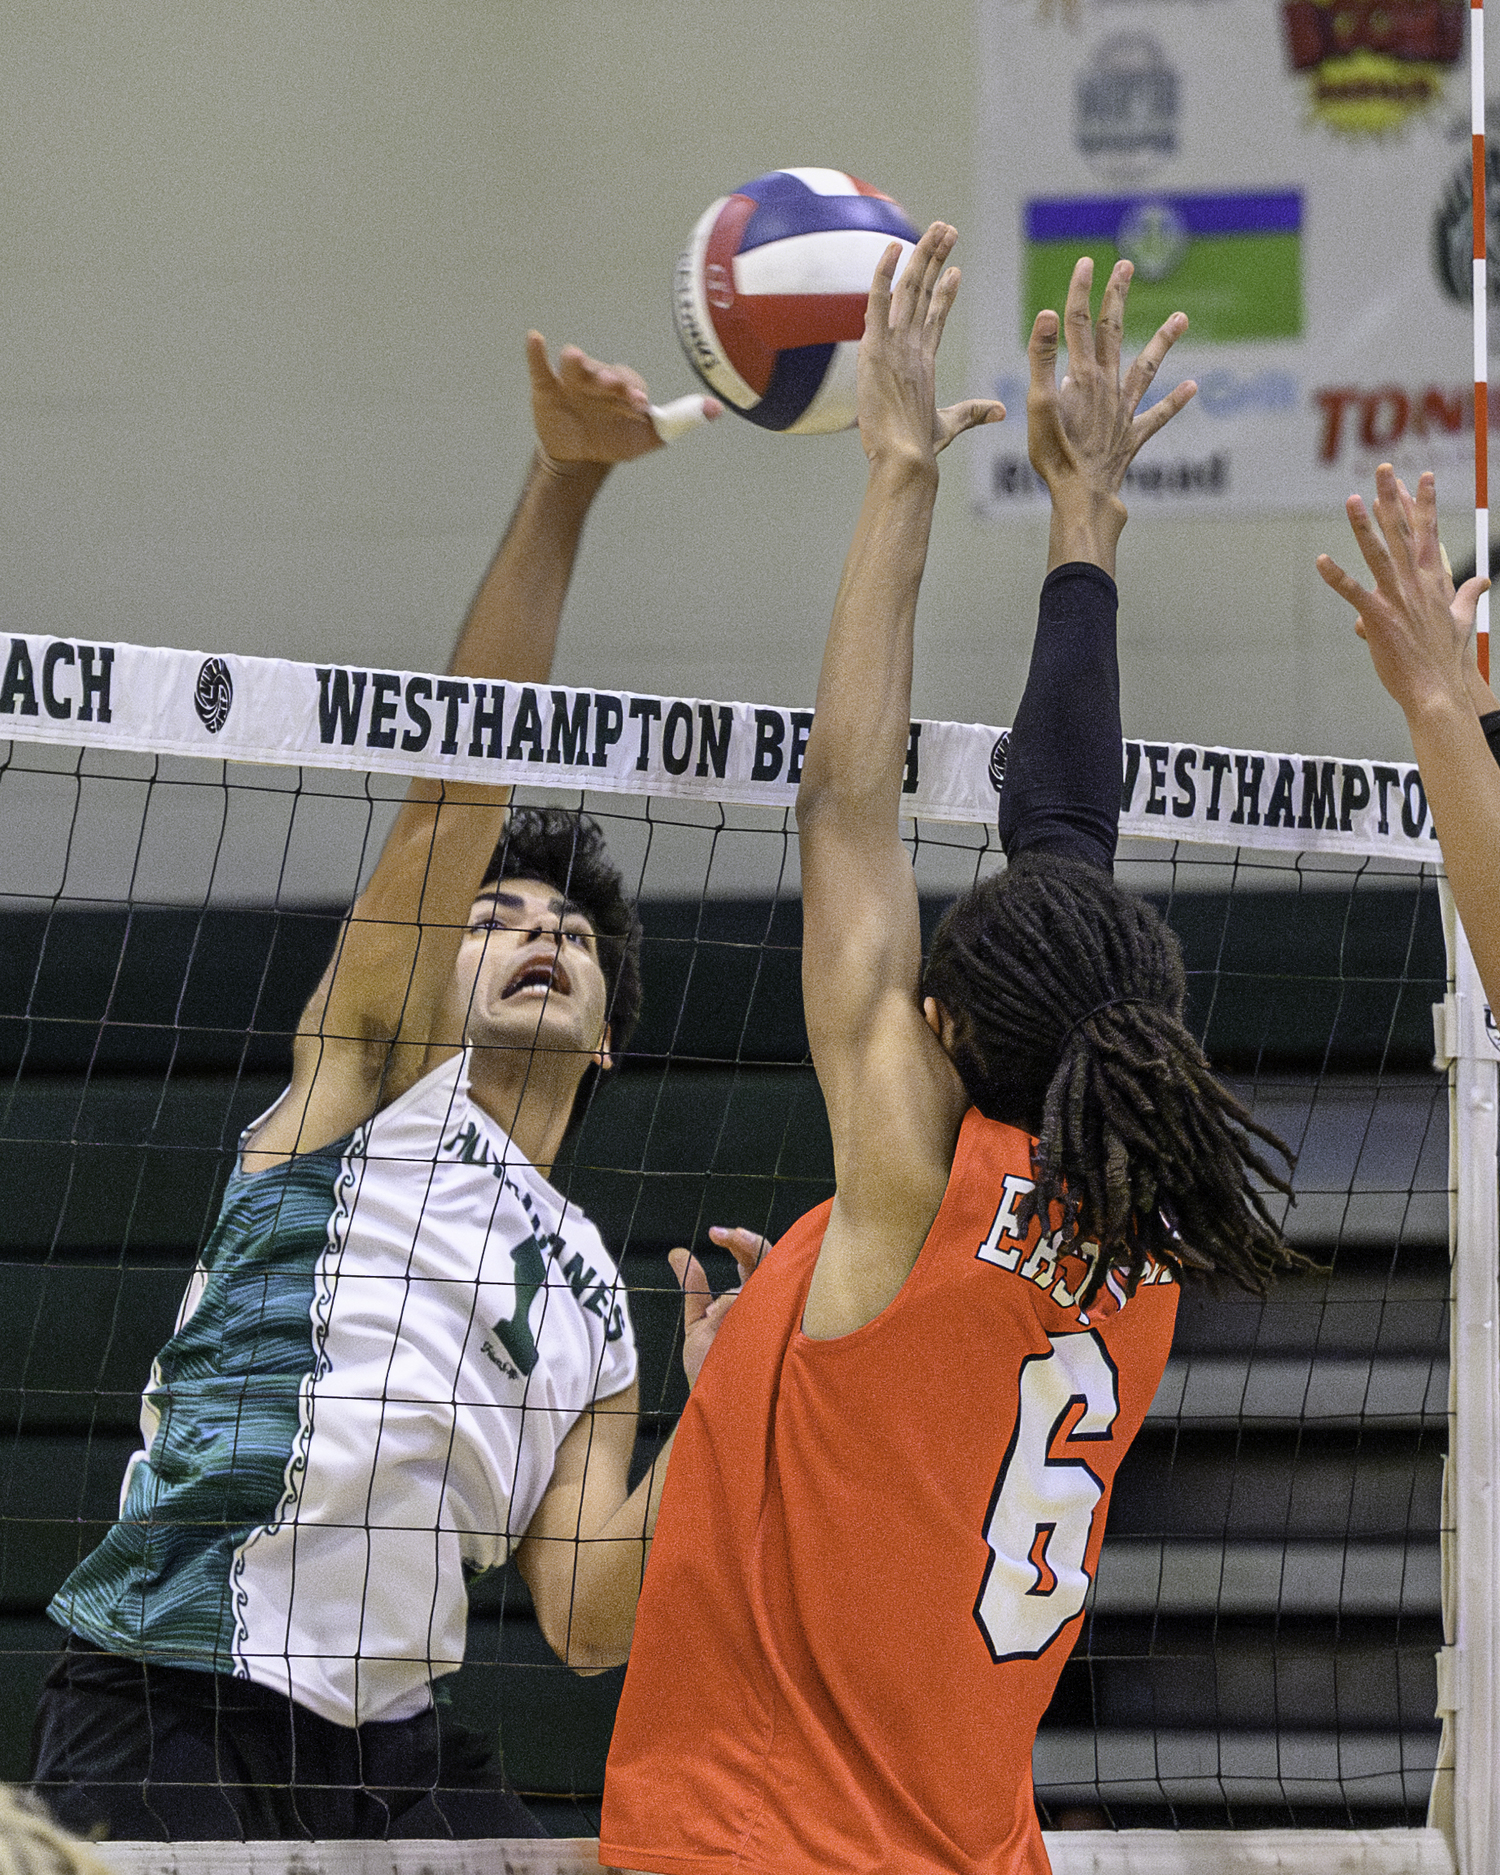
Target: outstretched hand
{"points": [[703, 1312], [1463, 601], [1417, 627], [587, 412], [898, 417], [1083, 434]]}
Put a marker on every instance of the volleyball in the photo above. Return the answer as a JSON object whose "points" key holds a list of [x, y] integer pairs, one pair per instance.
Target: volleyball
{"points": [[771, 289]]}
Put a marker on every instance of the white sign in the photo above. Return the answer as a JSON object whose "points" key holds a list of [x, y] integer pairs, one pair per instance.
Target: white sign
{"points": [[1296, 178]]}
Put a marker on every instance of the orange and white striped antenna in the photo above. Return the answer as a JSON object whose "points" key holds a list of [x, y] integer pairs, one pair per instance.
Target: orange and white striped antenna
{"points": [[1481, 337]]}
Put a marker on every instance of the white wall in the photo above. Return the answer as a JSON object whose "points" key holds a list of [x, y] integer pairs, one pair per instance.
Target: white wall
{"points": [[265, 269]]}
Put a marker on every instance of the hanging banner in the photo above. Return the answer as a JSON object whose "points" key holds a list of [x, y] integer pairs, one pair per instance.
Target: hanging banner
{"points": [[1296, 176]]}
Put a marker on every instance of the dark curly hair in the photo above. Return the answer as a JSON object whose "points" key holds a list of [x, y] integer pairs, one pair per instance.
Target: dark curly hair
{"points": [[566, 850], [1067, 995]]}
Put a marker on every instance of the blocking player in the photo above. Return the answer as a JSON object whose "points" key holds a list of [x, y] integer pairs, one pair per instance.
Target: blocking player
{"points": [[404, 1355], [910, 1422], [1420, 635]]}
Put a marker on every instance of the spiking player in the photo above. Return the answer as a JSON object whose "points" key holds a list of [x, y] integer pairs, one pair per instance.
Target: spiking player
{"points": [[404, 1355], [911, 1420]]}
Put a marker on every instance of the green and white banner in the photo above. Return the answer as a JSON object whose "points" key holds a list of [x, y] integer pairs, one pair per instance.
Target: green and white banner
{"points": [[1296, 177]]}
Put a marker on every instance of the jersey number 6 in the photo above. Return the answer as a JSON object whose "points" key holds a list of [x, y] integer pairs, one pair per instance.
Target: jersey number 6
{"points": [[1042, 1512]]}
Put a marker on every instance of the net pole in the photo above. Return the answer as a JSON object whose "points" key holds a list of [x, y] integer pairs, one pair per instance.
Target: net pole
{"points": [[1481, 336], [1468, 1671]]}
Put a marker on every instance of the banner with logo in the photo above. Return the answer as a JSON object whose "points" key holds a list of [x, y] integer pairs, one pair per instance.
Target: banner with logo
{"points": [[1296, 176], [158, 701]]}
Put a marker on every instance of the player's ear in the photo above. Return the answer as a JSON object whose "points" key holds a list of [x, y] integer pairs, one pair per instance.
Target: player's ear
{"points": [[602, 1057], [940, 1022]]}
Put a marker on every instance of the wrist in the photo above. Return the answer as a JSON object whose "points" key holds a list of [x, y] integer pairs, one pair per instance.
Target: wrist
{"points": [[584, 475], [1437, 706], [903, 468], [1088, 531]]}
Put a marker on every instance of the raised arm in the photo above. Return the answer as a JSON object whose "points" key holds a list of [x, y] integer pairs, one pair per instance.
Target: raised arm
{"points": [[369, 1029], [1063, 771], [894, 1099], [894, 1102], [1419, 638]]}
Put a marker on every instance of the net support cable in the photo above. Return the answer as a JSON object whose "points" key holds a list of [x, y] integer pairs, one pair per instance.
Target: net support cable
{"points": [[1466, 1788], [1481, 332]]}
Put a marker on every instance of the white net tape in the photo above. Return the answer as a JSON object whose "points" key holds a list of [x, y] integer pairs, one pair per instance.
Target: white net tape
{"points": [[1133, 1852], [243, 709]]}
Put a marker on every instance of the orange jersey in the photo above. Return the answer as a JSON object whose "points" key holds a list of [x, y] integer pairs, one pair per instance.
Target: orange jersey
{"points": [[873, 1553]]}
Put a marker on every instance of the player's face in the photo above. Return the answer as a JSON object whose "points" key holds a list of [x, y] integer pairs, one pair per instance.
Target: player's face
{"points": [[528, 973]]}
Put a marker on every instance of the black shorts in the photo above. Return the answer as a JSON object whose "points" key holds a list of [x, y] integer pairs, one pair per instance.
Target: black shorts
{"points": [[144, 1753]]}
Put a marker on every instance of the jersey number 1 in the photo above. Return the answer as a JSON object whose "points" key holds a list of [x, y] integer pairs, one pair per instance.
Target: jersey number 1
{"points": [[514, 1334], [1042, 1513]]}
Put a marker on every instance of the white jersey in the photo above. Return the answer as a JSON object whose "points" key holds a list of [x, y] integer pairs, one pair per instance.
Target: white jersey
{"points": [[383, 1347]]}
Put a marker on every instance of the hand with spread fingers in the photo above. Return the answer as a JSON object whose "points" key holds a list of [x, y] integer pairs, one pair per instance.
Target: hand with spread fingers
{"points": [[898, 418], [1418, 629], [1463, 606], [1419, 632], [1083, 434], [590, 413]]}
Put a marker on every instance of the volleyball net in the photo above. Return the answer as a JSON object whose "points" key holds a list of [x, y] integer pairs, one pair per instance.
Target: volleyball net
{"points": [[1294, 1612]]}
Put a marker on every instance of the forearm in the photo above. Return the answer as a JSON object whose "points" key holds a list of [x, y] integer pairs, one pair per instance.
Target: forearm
{"points": [[1480, 694], [1462, 781], [1063, 767], [397, 951], [857, 749], [511, 628], [509, 635], [609, 1568]]}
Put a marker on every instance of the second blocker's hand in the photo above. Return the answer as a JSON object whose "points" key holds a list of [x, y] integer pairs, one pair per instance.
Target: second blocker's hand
{"points": [[1418, 629]]}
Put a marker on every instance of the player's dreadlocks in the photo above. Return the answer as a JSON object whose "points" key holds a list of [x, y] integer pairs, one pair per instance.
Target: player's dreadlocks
{"points": [[1067, 996]]}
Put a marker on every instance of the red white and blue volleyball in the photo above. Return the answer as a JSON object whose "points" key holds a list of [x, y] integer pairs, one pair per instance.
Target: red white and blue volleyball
{"points": [[771, 290]]}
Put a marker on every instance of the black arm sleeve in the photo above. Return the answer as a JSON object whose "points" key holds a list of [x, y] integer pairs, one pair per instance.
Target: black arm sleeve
{"points": [[1490, 724], [1063, 772]]}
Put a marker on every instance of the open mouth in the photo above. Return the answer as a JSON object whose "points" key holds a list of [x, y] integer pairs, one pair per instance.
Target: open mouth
{"points": [[541, 977]]}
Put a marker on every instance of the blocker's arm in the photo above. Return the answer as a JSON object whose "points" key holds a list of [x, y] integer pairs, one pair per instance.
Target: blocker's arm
{"points": [[894, 1102]]}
